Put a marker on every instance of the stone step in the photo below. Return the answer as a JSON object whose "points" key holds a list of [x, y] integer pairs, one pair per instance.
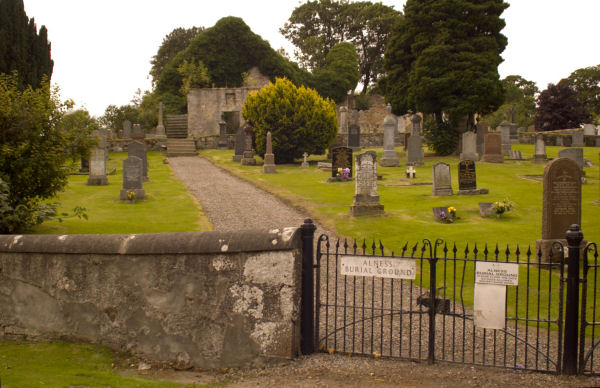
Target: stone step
{"points": [[181, 147], [176, 126]]}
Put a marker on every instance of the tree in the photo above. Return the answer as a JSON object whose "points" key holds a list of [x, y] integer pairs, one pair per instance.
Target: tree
{"points": [[115, 115], [22, 48], [77, 127], [298, 118], [559, 108], [340, 73], [34, 148], [315, 27], [176, 41], [519, 102], [586, 82], [443, 59]]}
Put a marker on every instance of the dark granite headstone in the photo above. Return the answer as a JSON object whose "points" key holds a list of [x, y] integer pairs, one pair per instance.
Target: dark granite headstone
{"points": [[240, 145], [138, 149], [341, 157], [133, 178], [467, 179], [354, 136]]}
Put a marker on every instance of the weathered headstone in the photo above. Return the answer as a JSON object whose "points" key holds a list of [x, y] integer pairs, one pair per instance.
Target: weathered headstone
{"points": [[469, 146], [389, 156], [343, 128], [589, 129], [137, 133], [577, 138], [486, 209], [504, 129], [160, 128], [575, 154], [514, 134], [366, 199], [248, 157], [133, 178], [414, 148], [442, 182], [138, 149], [240, 145], [305, 161], [561, 203], [269, 158], [482, 130], [126, 129], [97, 175], [341, 157], [354, 137], [492, 148], [539, 155], [515, 155], [559, 141], [222, 142]]}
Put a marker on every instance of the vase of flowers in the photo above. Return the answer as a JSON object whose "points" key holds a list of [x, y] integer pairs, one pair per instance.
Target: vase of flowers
{"points": [[448, 216], [130, 195], [501, 207]]}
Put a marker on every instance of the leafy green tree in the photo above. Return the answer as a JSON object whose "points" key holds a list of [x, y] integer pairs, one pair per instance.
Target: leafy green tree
{"points": [[22, 47], [34, 149], [77, 127], [443, 59], [340, 73], [195, 75], [115, 115], [559, 108], [315, 27], [519, 102], [176, 41], [298, 118], [586, 82]]}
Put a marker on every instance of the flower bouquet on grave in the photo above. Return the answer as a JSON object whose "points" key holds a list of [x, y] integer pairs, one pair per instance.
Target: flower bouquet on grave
{"points": [[448, 216], [345, 174], [501, 207], [130, 194]]}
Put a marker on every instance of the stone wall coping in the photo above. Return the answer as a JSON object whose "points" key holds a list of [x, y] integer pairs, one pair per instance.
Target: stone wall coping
{"points": [[155, 243]]}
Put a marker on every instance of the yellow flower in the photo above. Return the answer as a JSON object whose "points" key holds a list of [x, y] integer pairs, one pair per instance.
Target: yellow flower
{"points": [[451, 209]]}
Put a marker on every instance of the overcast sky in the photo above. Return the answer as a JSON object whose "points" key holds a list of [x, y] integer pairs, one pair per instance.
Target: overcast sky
{"points": [[102, 49]]}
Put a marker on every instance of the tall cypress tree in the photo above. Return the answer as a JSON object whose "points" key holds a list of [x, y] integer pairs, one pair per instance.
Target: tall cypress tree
{"points": [[22, 48]]}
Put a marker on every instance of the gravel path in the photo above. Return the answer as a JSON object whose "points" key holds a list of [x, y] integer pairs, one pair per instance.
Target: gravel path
{"points": [[233, 204]]}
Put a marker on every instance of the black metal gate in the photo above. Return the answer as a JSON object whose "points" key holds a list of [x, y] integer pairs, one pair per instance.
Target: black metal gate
{"points": [[431, 318]]}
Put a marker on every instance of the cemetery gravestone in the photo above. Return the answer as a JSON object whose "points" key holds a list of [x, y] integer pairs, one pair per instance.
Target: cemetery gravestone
{"points": [[343, 120], [269, 159], [132, 178], [366, 199], [575, 154], [389, 157], [504, 129], [341, 157], [515, 155], [561, 203], [492, 149], [138, 149], [160, 128], [514, 134], [439, 212], [589, 130], [539, 155], [248, 157], [354, 137], [414, 148], [442, 184], [482, 130], [98, 167], [486, 209], [577, 139], [126, 129], [240, 145], [469, 147], [137, 133], [222, 142], [467, 178], [305, 161]]}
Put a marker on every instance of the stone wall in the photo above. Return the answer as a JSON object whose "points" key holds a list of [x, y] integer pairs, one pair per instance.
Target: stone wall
{"points": [[207, 300], [558, 138]]}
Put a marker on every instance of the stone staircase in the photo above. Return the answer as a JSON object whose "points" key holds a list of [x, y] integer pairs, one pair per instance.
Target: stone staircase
{"points": [[181, 147], [176, 127]]}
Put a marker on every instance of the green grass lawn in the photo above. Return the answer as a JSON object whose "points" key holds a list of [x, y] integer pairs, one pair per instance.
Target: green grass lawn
{"points": [[168, 206]]}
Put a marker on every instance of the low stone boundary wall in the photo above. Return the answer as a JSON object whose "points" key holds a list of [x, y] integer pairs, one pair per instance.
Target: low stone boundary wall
{"points": [[558, 138], [197, 299]]}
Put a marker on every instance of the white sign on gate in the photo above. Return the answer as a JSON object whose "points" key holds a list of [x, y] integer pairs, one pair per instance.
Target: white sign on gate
{"points": [[491, 279], [378, 266], [493, 272]]}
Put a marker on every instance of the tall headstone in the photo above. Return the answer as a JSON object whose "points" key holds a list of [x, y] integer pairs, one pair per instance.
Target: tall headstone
{"points": [[504, 129], [442, 182], [467, 177], [248, 157], [126, 129], [341, 157], [132, 178], [222, 142], [575, 154], [414, 148], [343, 128], [577, 138], [305, 161], [269, 159], [561, 203], [354, 137], [97, 175], [482, 130], [514, 133], [160, 128], [137, 132], [589, 129], [366, 199], [539, 155], [240, 145], [492, 148], [389, 157], [469, 146], [138, 149]]}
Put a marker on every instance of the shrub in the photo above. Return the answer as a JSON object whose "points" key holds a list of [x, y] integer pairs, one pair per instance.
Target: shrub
{"points": [[440, 136], [297, 117]]}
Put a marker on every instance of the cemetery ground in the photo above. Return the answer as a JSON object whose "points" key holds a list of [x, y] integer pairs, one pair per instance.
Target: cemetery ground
{"points": [[408, 217]]}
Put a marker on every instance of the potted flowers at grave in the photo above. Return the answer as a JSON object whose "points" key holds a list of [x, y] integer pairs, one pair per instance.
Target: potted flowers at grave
{"points": [[130, 194], [447, 216], [343, 173], [501, 207]]}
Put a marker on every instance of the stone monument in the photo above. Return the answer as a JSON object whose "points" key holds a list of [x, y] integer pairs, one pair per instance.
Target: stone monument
{"points": [[442, 183], [341, 157], [343, 127], [132, 178], [469, 146], [305, 161], [577, 138], [482, 130], [575, 154], [137, 133], [222, 142], [467, 179], [138, 149], [248, 157], [366, 199], [269, 158], [389, 157], [97, 175], [240, 145], [539, 155], [504, 129], [589, 130], [561, 204], [160, 128], [414, 148], [492, 148], [126, 129]]}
